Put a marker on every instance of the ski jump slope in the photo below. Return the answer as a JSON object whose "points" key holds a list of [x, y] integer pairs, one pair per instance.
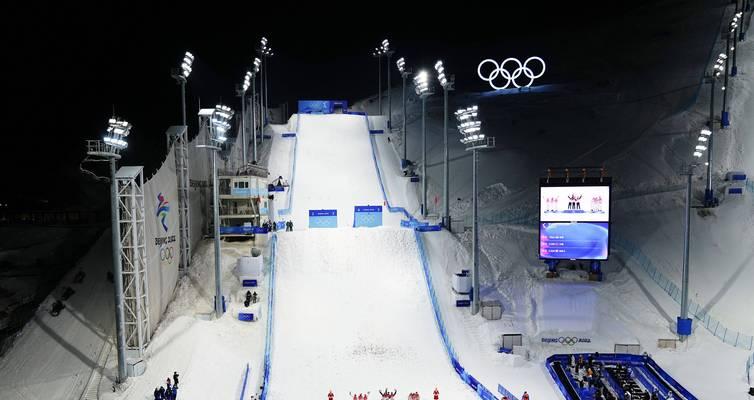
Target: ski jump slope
{"points": [[352, 309]]}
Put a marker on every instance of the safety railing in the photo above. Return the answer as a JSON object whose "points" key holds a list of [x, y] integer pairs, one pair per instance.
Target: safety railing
{"points": [[749, 364], [713, 325], [270, 320]]}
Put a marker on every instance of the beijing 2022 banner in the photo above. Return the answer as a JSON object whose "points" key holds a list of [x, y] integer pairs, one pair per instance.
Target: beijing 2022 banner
{"points": [[574, 222]]}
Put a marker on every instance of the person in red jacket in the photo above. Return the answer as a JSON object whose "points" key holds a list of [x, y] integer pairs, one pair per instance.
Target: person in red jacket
{"points": [[330, 396], [525, 396], [436, 394]]}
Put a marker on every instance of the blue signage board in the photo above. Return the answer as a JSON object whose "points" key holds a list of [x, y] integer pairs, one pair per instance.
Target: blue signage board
{"points": [[367, 216], [323, 218]]}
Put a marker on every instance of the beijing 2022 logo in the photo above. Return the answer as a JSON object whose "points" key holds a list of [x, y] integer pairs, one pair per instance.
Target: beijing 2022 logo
{"points": [[163, 208]]}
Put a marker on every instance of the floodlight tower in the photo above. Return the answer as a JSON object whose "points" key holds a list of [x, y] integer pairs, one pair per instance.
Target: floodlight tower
{"points": [[423, 90], [378, 53], [109, 149], [254, 72], [242, 93], [717, 70], [683, 323], [735, 25], [447, 85], [389, 53], [470, 128], [405, 73], [264, 51], [218, 120], [182, 166], [724, 115]]}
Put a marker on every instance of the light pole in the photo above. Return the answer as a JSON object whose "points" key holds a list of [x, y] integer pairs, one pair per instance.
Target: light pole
{"points": [[182, 166], [389, 53], [219, 124], [264, 51], [709, 194], [378, 53], [242, 93], [254, 72], [470, 128], [683, 324], [735, 28], [423, 90], [447, 85], [405, 73], [109, 149]]}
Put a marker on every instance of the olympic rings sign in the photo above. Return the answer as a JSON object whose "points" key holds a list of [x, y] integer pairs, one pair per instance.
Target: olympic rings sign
{"points": [[166, 254], [511, 77], [568, 340]]}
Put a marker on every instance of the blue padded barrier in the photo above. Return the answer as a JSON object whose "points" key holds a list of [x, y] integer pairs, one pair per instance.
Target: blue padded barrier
{"points": [[245, 381], [245, 230], [376, 131], [246, 317], [736, 190], [315, 106], [289, 134], [323, 218], [428, 228], [249, 283], [367, 216], [349, 112], [287, 210], [270, 319]]}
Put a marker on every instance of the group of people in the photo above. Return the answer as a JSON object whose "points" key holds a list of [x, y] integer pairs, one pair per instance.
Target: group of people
{"points": [[273, 227], [251, 298], [588, 374], [169, 393], [524, 397]]}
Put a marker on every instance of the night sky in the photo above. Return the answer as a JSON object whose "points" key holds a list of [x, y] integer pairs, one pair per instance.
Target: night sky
{"points": [[68, 66]]}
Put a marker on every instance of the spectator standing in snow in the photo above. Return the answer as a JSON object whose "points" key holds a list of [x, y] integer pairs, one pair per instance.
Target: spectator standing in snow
{"points": [[525, 396], [175, 378], [156, 393]]}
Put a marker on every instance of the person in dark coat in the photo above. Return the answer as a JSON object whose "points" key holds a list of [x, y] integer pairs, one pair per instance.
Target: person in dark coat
{"points": [[156, 393], [175, 378]]}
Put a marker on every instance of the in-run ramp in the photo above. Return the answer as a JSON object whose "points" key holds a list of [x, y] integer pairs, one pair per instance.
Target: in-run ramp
{"points": [[335, 169], [352, 310]]}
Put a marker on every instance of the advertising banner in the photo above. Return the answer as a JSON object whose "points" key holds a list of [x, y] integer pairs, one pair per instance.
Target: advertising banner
{"points": [[323, 218], [367, 216], [574, 240], [162, 236]]}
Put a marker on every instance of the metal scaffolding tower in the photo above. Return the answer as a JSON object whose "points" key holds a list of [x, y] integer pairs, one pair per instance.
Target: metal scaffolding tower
{"points": [[130, 189], [179, 134]]}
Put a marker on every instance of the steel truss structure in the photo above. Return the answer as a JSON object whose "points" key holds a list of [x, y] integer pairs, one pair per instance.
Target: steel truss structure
{"points": [[131, 218]]}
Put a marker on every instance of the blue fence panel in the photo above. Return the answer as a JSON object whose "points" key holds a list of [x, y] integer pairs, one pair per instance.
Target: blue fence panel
{"points": [[323, 218], [749, 364], [245, 381], [367, 216], [270, 319]]}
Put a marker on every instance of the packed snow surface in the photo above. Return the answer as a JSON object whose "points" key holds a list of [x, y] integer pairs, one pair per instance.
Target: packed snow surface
{"points": [[353, 314]]}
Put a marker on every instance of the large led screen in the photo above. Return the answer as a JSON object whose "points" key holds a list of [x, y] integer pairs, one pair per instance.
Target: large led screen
{"points": [[574, 203], [573, 240]]}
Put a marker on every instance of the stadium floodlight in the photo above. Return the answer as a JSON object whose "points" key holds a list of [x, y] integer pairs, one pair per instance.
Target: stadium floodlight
{"points": [[265, 51], [697, 154], [447, 85], [254, 106], [217, 121], [188, 60], [242, 93], [683, 324], [405, 73], [116, 133], [108, 149], [377, 53], [388, 52], [718, 68], [470, 128], [423, 90]]}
